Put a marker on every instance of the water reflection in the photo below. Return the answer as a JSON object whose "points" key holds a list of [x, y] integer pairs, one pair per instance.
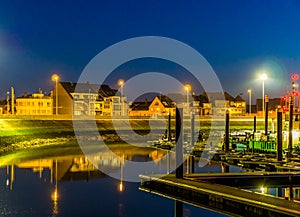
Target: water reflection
{"points": [[69, 185], [287, 193], [55, 195]]}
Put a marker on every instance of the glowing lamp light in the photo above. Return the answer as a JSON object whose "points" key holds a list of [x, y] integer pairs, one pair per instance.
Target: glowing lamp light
{"points": [[121, 82], [187, 87], [295, 76], [54, 77], [263, 77]]}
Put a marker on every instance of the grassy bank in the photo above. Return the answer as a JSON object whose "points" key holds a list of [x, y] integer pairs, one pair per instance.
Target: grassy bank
{"points": [[17, 134]]}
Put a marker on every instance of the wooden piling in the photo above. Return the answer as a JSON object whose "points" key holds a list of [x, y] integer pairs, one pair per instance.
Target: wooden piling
{"points": [[279, 136], [227, 132], [290, 149], [178, 147], [169, 128]]}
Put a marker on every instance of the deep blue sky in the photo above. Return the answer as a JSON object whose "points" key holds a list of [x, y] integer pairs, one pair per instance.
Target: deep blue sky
{"points": [[238, 38]]}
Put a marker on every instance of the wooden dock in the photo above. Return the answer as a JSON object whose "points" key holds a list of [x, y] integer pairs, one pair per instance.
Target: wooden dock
{"points": [[197, 191]]}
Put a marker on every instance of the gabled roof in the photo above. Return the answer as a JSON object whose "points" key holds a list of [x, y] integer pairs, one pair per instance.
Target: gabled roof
{"points": [[166, 101], [228, 97], [140, 106], [201, 98], [103, 90], [218, 96], [238, 98]]}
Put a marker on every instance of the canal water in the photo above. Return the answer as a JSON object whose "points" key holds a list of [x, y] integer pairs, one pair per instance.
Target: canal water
{"points": [[67, 185]]}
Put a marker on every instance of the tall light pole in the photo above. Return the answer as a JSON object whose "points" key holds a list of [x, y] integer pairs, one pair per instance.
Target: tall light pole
{"points": [[121, 84], [187, 88], [249, 92], [7, 101], [55, 78], [263, 77]]}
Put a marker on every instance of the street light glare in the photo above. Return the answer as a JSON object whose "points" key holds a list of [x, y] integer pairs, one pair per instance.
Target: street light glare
{"points": [[187, 87], [263, 77], [121, 82], [54, 77], [249, 91]]}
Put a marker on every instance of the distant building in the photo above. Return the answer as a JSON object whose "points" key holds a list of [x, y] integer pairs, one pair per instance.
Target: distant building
{"points": [[159, 105], [221, 102], [34, 104], [88, 99], [201, 105]]}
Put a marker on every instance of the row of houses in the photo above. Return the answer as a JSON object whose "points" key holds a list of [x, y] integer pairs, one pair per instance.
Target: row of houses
{"points": [[69, 98]]}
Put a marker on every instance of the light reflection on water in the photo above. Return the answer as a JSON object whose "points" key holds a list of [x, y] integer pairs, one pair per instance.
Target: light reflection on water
{"points": [[68, 185], [286, 193]]}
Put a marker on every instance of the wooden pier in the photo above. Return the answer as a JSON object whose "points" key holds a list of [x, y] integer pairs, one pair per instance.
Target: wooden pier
{"points": [[199, 190]]}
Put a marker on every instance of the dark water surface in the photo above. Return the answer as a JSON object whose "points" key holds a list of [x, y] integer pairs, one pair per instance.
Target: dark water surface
{"points": [[68, 185]]}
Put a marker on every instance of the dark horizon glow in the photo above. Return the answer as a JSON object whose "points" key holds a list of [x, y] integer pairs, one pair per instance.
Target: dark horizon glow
{"points": [[238, 38]]}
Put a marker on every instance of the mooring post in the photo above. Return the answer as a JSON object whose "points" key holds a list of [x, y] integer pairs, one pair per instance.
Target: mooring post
{"points": [[279, 135], [290, 149], [266, 114], [169, 128], [192, 129], [254, 125], [227, 132], [178, 147], [254, 131], [192, 160]]}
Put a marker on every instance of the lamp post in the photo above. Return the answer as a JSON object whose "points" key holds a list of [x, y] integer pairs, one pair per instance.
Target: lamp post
{"points": [[121, 84], [249, 92], [187, 88], [55, 78], [7, 101], [263, 77]]}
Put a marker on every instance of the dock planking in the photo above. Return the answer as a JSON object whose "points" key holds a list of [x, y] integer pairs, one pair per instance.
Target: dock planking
{"points": [[198, 191]]}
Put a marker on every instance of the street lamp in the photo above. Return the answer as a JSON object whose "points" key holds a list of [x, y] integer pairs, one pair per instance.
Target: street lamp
{"points": [[55, 78], [121, 83], [249, 92], [263, 77], [187, 88], [7, 101]]}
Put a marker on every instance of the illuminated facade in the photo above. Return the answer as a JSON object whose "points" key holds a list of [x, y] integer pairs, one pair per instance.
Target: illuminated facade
{"points": [[34, 104], [159, 105], [223, 102], [89, 99]]}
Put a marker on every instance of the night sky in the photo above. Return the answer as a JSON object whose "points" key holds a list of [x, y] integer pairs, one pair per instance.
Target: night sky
{"points": [[238, 38]]}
